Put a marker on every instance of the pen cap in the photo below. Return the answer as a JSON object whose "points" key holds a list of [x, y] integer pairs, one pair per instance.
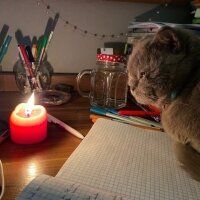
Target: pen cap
{"points": [[98, 110]]}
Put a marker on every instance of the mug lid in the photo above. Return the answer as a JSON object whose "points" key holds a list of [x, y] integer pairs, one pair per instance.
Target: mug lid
{"points": [[111, 58]]}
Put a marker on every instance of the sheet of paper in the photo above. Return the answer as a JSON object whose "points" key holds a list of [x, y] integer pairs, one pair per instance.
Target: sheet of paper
{"points": [[129, 161], [117, 161]]}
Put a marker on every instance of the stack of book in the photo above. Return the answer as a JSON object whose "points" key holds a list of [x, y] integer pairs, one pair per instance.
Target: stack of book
{"points": [[137, 30]]}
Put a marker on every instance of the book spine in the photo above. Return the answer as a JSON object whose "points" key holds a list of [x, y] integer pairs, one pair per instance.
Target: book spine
{"points": [[196, 21]]}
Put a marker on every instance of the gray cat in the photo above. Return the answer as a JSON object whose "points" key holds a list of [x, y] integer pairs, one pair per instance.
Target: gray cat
{"points": [[164, 71]]}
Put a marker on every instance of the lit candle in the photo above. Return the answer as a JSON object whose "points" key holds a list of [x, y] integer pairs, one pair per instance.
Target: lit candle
{"points": [[28, 123]]}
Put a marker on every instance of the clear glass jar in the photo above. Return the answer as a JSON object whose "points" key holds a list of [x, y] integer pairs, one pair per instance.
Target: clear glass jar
{"points": [[42, 77], [108, 85]]}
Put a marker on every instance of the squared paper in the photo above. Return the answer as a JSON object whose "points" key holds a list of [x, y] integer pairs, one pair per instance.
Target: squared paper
{"points": [[129, 161]]}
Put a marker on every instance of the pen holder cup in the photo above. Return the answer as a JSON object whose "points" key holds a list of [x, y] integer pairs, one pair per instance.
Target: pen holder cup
{"points": [[108, 85], [40, 79]]}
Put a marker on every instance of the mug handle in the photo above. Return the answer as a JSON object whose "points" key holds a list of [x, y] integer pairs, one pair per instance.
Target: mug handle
{"points": [[79, 77]]}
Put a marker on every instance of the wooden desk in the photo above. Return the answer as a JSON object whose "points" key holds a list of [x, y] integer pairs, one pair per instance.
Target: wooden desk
{"points": [[22, 163]]}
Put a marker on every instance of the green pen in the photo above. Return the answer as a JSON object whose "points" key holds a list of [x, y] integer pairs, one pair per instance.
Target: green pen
{"points": [[43, 46], [39, 47]]}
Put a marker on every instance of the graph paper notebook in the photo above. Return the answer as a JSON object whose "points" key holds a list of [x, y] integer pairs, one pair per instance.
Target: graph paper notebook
{"points": [[129, 162]]}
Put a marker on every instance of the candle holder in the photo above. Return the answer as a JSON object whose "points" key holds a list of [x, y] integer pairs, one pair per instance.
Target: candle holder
{"points": [[42, 77]]}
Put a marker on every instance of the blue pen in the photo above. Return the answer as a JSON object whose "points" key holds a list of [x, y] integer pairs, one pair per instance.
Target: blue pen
{"points": [[98, 110], [130, 120], [4, 47], [105, 109], [104, 112], [112, 110]]}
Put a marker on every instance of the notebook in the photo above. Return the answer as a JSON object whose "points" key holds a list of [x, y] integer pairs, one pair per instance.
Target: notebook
{"points": [[127, 162]]}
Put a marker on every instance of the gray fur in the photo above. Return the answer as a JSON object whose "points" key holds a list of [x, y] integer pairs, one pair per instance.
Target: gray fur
{"points": [[164, 71]]}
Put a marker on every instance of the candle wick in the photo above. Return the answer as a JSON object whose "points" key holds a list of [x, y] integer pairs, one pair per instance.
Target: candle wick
{"points": [[28, 113]]}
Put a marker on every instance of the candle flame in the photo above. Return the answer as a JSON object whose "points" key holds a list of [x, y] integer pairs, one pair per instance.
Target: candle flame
{"points": [[29, 106]]}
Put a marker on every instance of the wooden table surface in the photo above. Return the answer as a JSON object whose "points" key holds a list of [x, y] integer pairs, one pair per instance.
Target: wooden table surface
{"points": [[22, 163]]}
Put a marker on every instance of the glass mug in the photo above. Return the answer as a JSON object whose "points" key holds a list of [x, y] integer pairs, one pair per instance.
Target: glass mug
{"points": [[108, 85]]}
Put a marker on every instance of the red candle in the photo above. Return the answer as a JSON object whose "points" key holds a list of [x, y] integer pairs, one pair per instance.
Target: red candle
{"points": [[28, 123]]}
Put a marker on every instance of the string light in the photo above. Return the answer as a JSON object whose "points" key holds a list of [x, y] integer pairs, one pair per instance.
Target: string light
{"points": [[74, 27], [85, 32]]}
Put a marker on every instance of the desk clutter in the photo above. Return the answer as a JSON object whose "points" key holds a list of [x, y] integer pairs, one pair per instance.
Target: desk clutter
{"points": [[136, 117], [117, 161], [32, 70], [28, 123]]}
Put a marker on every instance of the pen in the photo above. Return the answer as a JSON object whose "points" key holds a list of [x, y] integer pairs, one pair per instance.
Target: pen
{"points": [[26, 69], [30, 56], [32, 61], [130, 119], [55, 21], [50, 35], [103, 112], [4, 47], [146, 121], [138, 113], [43, 45], [39, 48], [27, 66], [156, 118], [94, 118], [65, 126], [47, 45]]}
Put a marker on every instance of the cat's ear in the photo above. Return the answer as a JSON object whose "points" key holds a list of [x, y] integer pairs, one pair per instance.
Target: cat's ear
{"points": [[167, 37]]}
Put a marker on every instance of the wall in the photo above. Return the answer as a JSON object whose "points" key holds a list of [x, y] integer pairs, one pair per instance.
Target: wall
{"points": [[70, 50]]}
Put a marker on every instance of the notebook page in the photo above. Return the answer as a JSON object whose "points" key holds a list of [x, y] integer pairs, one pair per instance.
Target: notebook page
{"points": [[130, 162]]}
